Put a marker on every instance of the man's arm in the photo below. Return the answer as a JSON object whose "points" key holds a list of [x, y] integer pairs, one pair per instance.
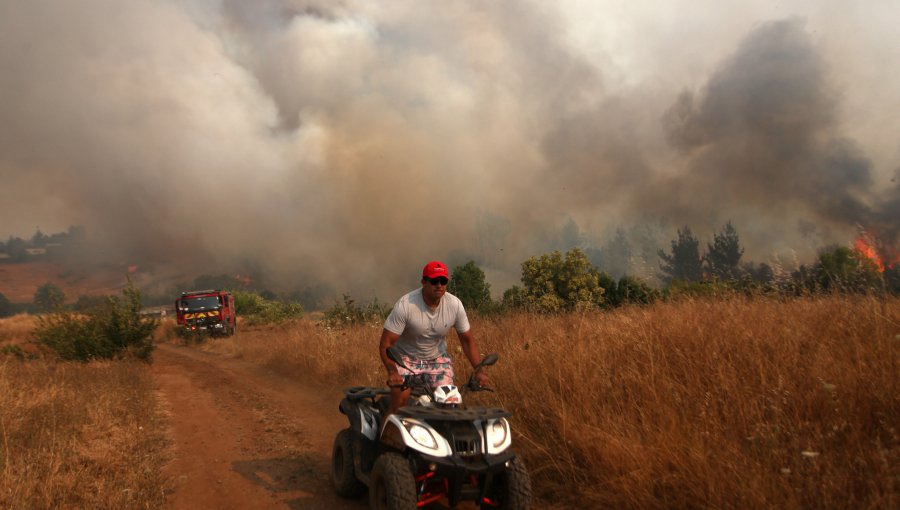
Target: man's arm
{"points": [[389, 338], [470, 348]]}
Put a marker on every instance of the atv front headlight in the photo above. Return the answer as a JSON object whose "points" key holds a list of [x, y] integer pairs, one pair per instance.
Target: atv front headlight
{"points": [[498, 433], [421, 435], [498, 438]]}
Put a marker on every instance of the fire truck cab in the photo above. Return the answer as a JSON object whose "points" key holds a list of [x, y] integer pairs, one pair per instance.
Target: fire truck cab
{"points": [[210, 311]]}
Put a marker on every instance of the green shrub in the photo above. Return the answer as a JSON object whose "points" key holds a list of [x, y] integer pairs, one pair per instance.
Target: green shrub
{"points": [[632, 290], [114, 330], [844, 269], [348, 313], [513, 299], [48, 297], [257, 309], [553, 283]]}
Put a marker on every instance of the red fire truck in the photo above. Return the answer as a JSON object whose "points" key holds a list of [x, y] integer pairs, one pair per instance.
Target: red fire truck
{"points": [[211, 311]]}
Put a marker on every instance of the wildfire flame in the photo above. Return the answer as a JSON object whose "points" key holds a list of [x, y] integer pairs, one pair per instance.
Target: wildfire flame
{"points": [[867, 246]]}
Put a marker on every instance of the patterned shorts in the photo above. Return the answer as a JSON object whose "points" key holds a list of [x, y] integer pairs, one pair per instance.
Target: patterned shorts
{"points": [[438, 371]]}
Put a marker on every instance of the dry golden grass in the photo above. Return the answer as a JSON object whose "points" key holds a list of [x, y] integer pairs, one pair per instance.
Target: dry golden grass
{"points": [[16, 329], [712, 404], [79, 436], [696, 404]]}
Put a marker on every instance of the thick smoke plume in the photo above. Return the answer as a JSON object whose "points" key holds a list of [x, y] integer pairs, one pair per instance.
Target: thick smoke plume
{"points": [[347, 143]]}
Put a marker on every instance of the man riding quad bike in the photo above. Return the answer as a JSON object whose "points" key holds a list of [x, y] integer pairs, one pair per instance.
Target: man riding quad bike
{"points": [[432, 449]]}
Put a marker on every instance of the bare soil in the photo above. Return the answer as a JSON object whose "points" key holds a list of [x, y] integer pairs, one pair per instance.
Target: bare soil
{"points": [[244, 437]]}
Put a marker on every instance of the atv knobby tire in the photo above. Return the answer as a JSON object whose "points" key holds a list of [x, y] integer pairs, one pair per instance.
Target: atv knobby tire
{"points": [[393, 486], [342, 475], [513, 489]]}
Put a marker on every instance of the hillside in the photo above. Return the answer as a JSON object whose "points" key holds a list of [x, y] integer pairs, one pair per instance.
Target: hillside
{"points": [[18, 282]]}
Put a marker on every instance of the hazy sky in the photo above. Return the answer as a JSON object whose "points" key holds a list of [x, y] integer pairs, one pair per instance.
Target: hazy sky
{"points": [[351, 142]]}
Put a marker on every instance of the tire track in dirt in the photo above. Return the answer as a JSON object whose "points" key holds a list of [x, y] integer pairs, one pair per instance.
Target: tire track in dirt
{"points": [[244, 438]]}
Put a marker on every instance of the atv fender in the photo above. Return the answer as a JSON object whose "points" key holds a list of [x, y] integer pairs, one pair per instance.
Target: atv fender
{"points": [[351, 409]]}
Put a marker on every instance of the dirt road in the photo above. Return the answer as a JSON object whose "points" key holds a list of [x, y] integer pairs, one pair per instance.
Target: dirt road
{"points": [[245, 438]]}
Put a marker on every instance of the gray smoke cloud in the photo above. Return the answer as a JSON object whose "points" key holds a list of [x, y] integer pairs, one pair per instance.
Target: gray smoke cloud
{"points": [[765, 131], [348, 143]]}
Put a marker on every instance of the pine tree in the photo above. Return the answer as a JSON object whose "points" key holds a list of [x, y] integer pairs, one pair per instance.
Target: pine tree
{"points": [[684, 263], [723, 256]]}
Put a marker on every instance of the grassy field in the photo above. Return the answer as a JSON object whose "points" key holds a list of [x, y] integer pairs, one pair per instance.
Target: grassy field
{"points": [[76, 435], [696, 404]]}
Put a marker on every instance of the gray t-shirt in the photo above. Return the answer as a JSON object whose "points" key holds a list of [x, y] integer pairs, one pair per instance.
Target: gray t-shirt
{"points": [[423, 331]]}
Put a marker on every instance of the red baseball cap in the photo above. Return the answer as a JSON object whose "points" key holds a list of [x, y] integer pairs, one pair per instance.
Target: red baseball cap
{"points": [[434, 269]]}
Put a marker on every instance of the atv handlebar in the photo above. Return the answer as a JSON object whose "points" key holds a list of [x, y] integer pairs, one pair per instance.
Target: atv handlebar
{"points": [[418, 380], [474, 385]]}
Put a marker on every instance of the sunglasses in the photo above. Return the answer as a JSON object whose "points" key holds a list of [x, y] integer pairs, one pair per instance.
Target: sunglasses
{"points": [[440, 280]]}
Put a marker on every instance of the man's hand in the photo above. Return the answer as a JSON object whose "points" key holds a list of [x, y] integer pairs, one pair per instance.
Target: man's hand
{"points": [[395, 380], [482, 378]]}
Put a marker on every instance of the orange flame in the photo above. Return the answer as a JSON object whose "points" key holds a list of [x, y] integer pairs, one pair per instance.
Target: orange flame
{"points": [[865, 246]]}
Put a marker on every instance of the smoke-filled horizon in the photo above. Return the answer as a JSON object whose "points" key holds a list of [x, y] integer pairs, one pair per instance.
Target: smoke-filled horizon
{"points": [[348, 143]]}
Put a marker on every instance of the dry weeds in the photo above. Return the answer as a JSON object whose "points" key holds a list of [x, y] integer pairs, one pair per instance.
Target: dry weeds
{"points": [[79, 436], [16, 329], [721, 404]]}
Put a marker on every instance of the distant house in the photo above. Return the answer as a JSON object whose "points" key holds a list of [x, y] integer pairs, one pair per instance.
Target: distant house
{"points": [[4, 255], [36, 251]]}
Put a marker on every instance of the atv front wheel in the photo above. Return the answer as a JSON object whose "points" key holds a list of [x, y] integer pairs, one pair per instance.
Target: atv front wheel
{"points": [[393, 486], [513, 488], [342, 475]]}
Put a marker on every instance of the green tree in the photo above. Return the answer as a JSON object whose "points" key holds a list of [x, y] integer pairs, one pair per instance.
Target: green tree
{"points": [[15, 248], [48, 297], [684, 263], [468, 284], [39, 239], [553, 283], [723, 256]]}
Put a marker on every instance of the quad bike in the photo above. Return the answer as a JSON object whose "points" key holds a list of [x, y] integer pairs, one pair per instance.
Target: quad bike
{"points": [[429, 450]]}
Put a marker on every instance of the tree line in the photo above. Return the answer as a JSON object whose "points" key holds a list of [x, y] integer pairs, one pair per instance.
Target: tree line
{"points": [[570, 281], [559, 281], [16, 249]]}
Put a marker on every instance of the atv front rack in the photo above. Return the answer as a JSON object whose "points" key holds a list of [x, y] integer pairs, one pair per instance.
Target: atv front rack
{"points": [[364, 392], [468, 414]]}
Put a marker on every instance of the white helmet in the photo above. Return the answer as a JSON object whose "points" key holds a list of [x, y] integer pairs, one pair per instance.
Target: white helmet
{"points": [[448, 394]]}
